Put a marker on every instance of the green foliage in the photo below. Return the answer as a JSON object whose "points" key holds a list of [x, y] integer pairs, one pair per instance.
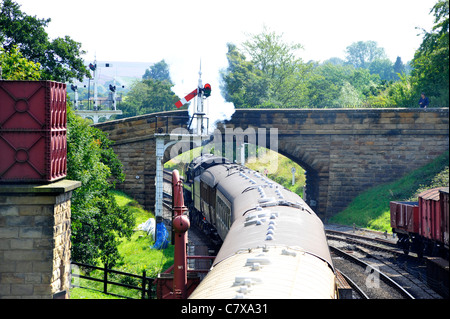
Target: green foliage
{"points": [[243, 84], [149, 96], [400, 92], [59, 59], [15, 67], [399, 68], [152, 94], [96, 217], [274, 76], [136, 253], [158, 71], [136, 250], [361, 54], [81, 293], [384, 68], [431, 60], [371, 208]]}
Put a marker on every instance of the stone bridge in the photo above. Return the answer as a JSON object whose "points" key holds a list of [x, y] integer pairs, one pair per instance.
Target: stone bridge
{"points": [[344, 151]]}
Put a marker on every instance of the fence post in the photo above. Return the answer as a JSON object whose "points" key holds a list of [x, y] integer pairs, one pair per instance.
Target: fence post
{"points": [[143, 284], [105, 279]]}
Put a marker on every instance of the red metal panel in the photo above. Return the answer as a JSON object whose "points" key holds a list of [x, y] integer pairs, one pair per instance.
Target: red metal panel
{"points": [[444, 199], [32, 105], [393, 209], [33, 125], [430, 215], [33, 156], [405, 216]]}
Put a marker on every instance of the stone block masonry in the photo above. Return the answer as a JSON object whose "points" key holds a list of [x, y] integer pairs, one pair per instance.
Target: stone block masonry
{"points": [[35, 240]]}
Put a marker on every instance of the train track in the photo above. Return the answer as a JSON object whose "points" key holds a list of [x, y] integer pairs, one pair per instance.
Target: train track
{"points": [[198, 243], [379, 262], [369, 281], [371, 265]]}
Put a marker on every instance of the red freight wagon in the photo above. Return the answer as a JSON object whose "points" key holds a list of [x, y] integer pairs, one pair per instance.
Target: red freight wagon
{"points": [[405, 217], [33, 127], [431, 215], [405, 223]]}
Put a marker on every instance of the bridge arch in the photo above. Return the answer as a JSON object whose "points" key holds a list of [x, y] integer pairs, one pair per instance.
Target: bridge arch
{"points": [[312, 183]]}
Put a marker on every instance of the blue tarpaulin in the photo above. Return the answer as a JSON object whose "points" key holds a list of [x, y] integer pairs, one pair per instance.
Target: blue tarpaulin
{"points": [[162, 237]]}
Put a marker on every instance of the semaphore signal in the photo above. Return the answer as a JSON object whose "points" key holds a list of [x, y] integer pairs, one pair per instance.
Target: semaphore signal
{"points": [[205, 92], [187, 98]]}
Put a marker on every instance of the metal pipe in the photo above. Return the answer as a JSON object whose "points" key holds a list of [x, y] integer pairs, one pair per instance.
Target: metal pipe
{"points": [[180, 225]]}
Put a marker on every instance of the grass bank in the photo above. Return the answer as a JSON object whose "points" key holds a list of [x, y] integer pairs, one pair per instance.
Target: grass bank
{"points": [[371, 208], [137, 256]]}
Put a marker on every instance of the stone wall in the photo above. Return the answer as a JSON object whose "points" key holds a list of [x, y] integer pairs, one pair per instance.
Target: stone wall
{"points": [[35, 240], [347, 151]]}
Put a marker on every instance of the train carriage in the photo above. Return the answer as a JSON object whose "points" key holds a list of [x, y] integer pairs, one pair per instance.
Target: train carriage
{"points": [[274, 245]]}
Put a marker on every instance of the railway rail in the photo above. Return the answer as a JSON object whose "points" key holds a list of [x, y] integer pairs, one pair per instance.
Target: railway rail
{"points": [[369, 262], [369, 281], [373, 253]]}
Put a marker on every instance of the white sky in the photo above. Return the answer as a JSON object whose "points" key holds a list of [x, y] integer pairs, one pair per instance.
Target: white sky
{"points": [[182, 32]]}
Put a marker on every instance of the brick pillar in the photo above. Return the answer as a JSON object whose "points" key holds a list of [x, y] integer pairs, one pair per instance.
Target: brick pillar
{"points": [[35, 240]]}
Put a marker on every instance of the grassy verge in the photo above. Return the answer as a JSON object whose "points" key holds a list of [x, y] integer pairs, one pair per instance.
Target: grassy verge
{"points": [[137, 256], [371, 208], [279, 170]]}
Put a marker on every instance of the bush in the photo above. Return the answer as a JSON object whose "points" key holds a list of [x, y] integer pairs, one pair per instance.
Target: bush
{"points": [[96, 217]]}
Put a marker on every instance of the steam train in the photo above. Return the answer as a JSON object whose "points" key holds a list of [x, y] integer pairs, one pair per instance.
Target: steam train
{"points": [[274, 245]]}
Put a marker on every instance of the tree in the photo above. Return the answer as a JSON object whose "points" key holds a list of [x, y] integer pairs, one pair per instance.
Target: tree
{"points": [[273, 77], [149, 96], [325, 83], [242, 83], [399, 68], [431, 60], [360, 54], [59, 59], [349, 96], [384, 68], [321, 91], [331, 85], [158, 71], [15, 67], [335, 61], [97, 220]]}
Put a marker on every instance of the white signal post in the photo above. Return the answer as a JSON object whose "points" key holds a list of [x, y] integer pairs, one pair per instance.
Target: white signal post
{"points": [[200, 112], [198, 108], [161, 145], [98, 112]]}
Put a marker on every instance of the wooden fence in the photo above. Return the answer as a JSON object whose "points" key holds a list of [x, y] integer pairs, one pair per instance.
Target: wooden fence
{"points": [[145, 288]]}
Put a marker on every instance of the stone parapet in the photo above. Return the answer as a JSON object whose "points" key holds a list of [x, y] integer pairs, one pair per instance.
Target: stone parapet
{"points": [[35, 240]]}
